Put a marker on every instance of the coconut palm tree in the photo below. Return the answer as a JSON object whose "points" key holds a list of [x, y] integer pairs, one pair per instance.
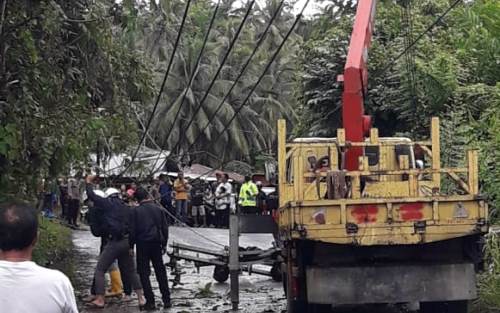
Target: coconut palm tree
{"points": [[255, 124]]}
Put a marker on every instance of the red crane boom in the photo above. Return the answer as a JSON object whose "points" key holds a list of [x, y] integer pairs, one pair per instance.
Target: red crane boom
{"points": [[355, 78]]}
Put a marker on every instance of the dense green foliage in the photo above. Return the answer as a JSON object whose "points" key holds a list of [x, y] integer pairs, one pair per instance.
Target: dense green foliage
{"points": [[66, 83], [489, 282]]}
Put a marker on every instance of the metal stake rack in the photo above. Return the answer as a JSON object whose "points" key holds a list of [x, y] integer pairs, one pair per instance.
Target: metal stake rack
{"points": [[230, 261]]}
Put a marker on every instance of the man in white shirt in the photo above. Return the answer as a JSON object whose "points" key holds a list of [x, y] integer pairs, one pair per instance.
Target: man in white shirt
{"points": [[223, 201], [26, 287]]}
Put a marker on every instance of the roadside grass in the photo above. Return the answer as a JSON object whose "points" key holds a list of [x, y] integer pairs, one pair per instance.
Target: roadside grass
{"points": [[205, 292], [489, 280], [54, 245]]}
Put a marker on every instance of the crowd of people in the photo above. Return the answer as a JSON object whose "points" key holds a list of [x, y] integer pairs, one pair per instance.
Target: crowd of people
{"points": [[132, 223], [67, 194], [194, 202], [139, 216], [202, 203]]}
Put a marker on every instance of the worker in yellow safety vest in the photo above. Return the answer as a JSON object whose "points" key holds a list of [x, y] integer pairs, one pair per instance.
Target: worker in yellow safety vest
{"points": [[248, 197]]}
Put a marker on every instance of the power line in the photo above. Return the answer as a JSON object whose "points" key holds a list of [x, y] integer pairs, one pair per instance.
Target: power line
{"points": [[186, 225], [179, 222], [169, 66], [242, 72], [407, 23], [191, 78], [267, 67], [299, 16], [413, 67], [451, 7], [221, 66], [393, 61]]}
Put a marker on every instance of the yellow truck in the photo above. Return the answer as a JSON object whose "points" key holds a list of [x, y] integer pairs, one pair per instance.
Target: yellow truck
{"points": [[365, 219], [384, 233]]}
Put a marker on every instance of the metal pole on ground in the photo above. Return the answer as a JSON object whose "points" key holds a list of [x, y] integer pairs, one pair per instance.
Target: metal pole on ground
{"points": [[234, 259]]}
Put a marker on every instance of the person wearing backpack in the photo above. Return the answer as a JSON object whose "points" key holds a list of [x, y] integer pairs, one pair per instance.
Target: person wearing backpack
{"points": [[97, 228], [149, 232], [116, 220]]}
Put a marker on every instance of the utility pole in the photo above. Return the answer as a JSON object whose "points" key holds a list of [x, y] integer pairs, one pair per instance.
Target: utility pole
{"points": [[234, 258]]}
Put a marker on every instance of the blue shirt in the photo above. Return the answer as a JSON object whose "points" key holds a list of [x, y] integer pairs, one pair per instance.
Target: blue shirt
{"points": [[166, 192]]}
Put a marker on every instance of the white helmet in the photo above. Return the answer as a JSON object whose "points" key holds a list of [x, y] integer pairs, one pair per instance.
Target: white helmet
{"points": [[111, 191], [100, 193]]}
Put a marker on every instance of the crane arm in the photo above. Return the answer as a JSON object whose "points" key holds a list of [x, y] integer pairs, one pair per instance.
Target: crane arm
{"points": [[355, 78]]}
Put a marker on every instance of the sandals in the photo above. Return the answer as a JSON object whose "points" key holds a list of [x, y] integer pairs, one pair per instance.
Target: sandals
{"points": [[92, 305], [88, 298]]}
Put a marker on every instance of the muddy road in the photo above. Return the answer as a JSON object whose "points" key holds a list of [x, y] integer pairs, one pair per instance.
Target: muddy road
{"points": [[199, 292]]}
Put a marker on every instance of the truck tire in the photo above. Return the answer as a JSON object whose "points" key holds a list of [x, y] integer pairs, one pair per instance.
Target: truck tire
{"points": [[276, 274], [293, 305], [284, 281], [221, 273], [445, 307], [302, 306]]}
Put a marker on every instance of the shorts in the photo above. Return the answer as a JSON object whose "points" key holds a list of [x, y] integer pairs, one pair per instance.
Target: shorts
{"points": [[198, 209]]}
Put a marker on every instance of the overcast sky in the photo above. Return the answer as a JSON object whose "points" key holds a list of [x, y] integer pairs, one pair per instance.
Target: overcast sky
{"points": [[312, 7]]}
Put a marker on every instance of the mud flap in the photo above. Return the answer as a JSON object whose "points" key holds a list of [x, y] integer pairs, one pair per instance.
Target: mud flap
{"points": [[391, 284]]}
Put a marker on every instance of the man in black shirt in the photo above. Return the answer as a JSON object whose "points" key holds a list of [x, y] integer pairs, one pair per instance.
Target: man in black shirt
{"points": [[149, 231], [115, 218]]}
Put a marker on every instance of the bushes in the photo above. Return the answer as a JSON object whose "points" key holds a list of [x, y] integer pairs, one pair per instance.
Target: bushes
{"points": [[54, 244], [489, 280]]}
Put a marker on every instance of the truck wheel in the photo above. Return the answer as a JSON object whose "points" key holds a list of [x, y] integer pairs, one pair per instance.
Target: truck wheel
{"points": [[283, 279], [445, 307], [292, 305], [276, 274], [221, 273]]}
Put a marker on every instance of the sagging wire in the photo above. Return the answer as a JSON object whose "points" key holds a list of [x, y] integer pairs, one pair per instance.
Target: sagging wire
{"points": [[228, 93], [419, 37], [207, 92], [221, 66], [162, 87], [191, 78], [410, 54], [271, 61], [242, 72]]}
